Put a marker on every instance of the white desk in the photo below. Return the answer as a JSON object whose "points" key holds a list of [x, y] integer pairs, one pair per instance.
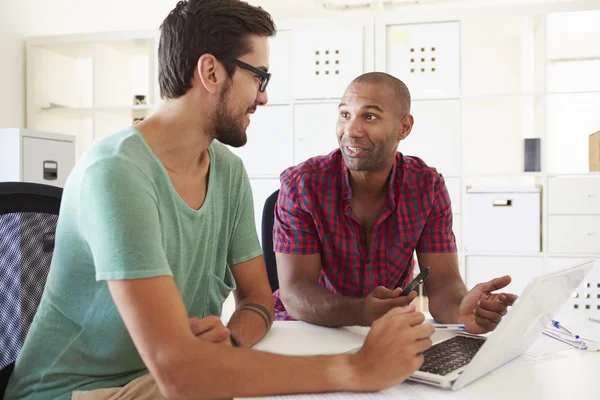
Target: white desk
{"points": [[574, 376]]}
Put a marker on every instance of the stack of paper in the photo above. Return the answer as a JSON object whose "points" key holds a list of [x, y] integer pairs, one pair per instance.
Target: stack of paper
{"points": [[582, 333]]}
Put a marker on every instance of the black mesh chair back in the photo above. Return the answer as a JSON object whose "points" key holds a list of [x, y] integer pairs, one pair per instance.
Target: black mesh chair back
{"points": [[268, 220], [28, 216]]}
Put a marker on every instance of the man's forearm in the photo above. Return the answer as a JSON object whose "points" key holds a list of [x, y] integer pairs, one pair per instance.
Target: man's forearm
{"points": [[252, 319], [234, 373], [308, 302], [445, 300]]}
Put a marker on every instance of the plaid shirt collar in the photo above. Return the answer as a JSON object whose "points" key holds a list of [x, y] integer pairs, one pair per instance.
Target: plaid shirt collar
{"points": [[347, 189]]}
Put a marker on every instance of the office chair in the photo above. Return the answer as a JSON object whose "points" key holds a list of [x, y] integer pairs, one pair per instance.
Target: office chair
{"points": [[28, 216], [268, 220]]}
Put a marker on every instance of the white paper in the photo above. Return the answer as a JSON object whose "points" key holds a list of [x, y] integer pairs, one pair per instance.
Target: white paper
{"points": [[547, 345], [527, 359]]}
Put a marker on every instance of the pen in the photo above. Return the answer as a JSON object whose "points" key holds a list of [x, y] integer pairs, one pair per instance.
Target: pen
{"points": [[558, 325], [449, 327]]}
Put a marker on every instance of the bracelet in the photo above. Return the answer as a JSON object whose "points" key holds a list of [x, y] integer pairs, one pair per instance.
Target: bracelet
{"points": [[235, 341]]}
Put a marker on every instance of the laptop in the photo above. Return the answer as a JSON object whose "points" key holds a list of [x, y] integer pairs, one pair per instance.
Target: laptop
{"points": [[457, 359]]}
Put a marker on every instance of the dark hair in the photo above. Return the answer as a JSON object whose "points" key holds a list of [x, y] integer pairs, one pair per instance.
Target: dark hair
{"points": [[399, 88], [197, 27]]}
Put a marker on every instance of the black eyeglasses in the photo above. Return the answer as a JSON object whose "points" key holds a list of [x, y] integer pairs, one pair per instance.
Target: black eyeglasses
{"points": [[264, 76]]}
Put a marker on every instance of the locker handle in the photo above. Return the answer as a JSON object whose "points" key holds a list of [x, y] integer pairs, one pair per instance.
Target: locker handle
{"points": [[502, 203], [50, 170]]}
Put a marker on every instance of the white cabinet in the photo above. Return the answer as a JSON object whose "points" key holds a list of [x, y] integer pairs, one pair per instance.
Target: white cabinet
{"points": [[503, 219], [574, 234], [279, 67], [453, 186], [574, 214], [314, 130], [521, 269], [443, 130], [426, 57], [574, 195], [326, 60], [38, 157], [269, 149]]}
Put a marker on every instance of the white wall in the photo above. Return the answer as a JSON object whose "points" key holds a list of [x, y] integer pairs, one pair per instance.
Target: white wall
{"points": [[12, 70]]}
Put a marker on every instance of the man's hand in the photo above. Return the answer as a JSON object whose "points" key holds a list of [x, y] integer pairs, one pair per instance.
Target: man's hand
{"points": [[210, 329], [393, 349], [381, 300], [481, 310]]}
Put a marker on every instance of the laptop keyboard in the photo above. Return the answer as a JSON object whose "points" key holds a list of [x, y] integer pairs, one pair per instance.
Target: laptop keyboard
{"points": [[451, 354]]}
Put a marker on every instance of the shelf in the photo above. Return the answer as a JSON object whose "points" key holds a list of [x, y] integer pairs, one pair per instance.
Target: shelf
{"points": [[574, 59], [57, 108]]}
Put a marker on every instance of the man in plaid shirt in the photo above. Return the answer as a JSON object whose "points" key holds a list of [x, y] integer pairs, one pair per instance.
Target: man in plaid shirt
{"points": [[347, 224]]}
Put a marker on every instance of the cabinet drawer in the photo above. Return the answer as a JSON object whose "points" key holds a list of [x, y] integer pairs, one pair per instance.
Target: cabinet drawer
{"points": [[47, 161], [574, 195], [521, 270], [574, 234]]}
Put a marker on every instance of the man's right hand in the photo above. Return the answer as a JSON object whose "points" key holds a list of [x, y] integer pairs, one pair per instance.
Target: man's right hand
{"points": [[210, 329], [381, 300], [393, 349]]}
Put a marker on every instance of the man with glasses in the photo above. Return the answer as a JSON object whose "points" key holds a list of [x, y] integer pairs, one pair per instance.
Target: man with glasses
{"points": [[347, 224], [156, 228]]}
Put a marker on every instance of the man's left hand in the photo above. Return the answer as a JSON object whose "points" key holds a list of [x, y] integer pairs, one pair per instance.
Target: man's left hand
{"points": [[481, 310]]}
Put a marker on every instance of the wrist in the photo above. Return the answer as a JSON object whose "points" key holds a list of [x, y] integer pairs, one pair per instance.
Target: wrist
{"points": [[344, 373], [359, 307], [235, 340]]}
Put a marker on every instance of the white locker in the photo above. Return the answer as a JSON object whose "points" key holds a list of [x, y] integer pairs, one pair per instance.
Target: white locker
{"points": [[437, 122], [279, 66], [37, 157], [314, 130], [270, 146], [426, 57], [326, 60]]}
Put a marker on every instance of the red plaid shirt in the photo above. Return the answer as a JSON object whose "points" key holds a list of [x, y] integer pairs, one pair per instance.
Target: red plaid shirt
{"points": [[313, 215]]}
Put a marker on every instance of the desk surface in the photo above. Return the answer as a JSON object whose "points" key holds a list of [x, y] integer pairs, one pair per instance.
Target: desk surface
{"points": [[565, 375]]}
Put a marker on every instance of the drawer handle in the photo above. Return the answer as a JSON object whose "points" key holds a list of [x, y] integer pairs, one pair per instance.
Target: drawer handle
{"points": [[591, 234], [50, 170], [591, 196], [502, 203]]}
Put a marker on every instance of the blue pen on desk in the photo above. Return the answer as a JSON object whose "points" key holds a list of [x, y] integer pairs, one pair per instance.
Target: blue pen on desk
{"points": [[449, 327], [558, 325]]}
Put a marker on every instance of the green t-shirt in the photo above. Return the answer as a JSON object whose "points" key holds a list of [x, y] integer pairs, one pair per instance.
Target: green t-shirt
{"points": [[121, 218]]}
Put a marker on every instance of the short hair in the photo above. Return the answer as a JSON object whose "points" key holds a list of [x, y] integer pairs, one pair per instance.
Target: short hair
{"points": [[399, 88], [197, 27]]}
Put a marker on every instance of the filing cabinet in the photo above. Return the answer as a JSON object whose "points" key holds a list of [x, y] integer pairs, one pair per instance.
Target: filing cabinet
{"points": [[503, 219], [34, 156], [574, 215]]}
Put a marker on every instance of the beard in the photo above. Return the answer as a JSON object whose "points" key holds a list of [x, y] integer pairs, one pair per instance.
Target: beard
{"points": [[227, 129]]}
